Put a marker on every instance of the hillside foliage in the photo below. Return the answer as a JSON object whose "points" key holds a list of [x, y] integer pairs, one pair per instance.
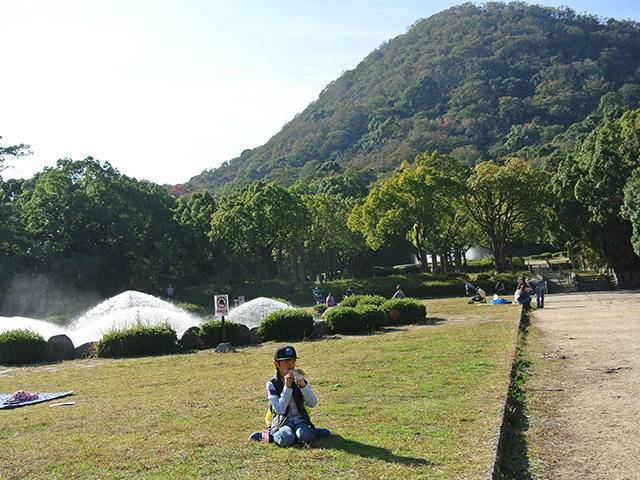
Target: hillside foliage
{"points": [[473, 82]]}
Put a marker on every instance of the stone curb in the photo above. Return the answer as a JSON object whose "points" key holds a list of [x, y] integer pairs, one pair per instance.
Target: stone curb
{"points": [[497, 441]]}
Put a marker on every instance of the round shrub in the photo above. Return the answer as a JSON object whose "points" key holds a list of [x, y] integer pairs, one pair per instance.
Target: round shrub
{"points": [[290, 324], [21, 346], [372, 315], [319, 308], [356, 300], [346, 320], [137, 340], [211, 333], [409, 310]]}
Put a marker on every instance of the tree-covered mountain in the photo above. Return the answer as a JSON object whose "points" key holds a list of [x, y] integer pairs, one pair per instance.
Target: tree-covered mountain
{"points": [[474, 82]]}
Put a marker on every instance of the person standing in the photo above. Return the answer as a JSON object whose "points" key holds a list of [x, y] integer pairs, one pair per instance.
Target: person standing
{"points": [[170, 292], [539, 286]]}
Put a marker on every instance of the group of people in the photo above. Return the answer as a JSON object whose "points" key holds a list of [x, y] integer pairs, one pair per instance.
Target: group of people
{"points": [[522, 295]]}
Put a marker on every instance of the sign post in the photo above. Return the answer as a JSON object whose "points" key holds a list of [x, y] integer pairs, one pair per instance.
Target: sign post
{"points": [[222, 308]]}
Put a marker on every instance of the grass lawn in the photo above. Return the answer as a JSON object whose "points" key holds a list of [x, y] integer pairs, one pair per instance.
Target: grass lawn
{"points": [[412, 402]]}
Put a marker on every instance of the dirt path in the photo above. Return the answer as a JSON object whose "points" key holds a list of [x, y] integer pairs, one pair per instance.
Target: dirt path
{"points": [[585, 421]]}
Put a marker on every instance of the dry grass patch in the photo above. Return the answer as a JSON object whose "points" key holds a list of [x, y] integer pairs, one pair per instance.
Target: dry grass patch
{"points": [[413, 402]]}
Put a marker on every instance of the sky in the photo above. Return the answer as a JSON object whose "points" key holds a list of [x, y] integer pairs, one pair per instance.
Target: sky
{"points": [[164, 89]]}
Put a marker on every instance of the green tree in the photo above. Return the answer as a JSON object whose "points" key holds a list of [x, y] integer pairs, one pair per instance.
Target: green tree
{"points": [[92, 226], [589, 190], [194, 214], [412, 204], [12, 151], [506, 203], [260, 227], [631, 207], [330, 246]]}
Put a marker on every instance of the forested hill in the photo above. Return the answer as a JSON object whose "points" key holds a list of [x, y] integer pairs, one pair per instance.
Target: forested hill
{"points": [[475, 82]]}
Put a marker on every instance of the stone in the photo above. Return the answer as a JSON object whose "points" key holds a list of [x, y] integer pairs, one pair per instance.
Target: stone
{"points": [[86, 350], [225, 348], [241, 336], [190, 339], [320, 329], [59, 347], [254, 337]]}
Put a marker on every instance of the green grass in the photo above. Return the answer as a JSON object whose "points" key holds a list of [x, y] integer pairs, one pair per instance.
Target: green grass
{"points": [[412, 402]]}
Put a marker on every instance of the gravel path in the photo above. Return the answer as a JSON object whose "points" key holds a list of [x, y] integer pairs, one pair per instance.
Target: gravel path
{"points": [[587, 385]]}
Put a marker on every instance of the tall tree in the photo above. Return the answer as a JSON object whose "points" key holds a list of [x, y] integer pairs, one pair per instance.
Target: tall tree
{"points": [[631, 207], [589, 193], [409, 204], [506, 203], [260, 226]]}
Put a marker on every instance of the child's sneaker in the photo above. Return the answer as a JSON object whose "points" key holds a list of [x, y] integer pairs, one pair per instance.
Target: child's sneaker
{"points": [[322, 432], [257, 436]]}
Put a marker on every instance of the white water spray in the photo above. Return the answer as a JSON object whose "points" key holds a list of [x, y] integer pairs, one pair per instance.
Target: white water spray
{"points": [[130, 307]]}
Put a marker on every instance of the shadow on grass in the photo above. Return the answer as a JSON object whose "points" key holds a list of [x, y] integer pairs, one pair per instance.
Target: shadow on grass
{"points": [[337, 442], [514, 461]]}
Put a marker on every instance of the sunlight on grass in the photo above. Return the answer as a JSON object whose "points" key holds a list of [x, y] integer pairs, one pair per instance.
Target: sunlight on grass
{"points": [[413, 402]]}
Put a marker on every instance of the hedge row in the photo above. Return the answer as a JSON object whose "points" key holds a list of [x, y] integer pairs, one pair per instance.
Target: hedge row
{"points": [[367, 313], [367, 316]]}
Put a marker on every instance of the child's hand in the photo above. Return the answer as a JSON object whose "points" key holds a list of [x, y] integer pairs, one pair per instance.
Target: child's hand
{"points": [[302, 382], [288, 379]]}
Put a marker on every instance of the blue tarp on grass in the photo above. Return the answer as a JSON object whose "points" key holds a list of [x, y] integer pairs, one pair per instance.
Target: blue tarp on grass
{"points": [[42, 397]]}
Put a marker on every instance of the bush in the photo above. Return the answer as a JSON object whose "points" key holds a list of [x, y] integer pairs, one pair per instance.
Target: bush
{"points": [[357, 300], [290, 324], [138, 340], [319, 308], [372, 315], [409, 310], [211, 333], [192, 308], [346, 320], [21, 346]]}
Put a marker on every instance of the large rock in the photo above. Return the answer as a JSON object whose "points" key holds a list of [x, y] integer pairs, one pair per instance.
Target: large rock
{"points": [[225, 348], [254, 337], [60, 347], [190, 339], [86, 350], [241, 336], [320, 329]]}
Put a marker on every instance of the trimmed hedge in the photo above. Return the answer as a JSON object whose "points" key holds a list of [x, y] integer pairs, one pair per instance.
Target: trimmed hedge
{"points": [[357, 300], [372, 315], [290, 324], [21, 346], [211, 333], [409, 310], [346, 320], [137, 340]]}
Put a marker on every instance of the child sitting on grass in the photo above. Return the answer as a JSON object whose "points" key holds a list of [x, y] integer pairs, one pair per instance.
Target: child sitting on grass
{"points": [[289, 395]]}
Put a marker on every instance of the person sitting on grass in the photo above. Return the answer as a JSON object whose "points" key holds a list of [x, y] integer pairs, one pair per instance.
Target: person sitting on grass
{"points": [[522, 297], [289, 396]]}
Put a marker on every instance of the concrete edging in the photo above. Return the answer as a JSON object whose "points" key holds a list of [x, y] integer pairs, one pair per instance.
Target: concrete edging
{"points": [[497, 441]]}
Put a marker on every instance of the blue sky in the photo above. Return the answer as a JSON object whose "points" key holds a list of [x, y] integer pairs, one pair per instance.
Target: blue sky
{"points": [[164, 89]]}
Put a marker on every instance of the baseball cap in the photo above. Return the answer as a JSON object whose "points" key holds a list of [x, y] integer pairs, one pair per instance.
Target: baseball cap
{"points": [[284, 352]]}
